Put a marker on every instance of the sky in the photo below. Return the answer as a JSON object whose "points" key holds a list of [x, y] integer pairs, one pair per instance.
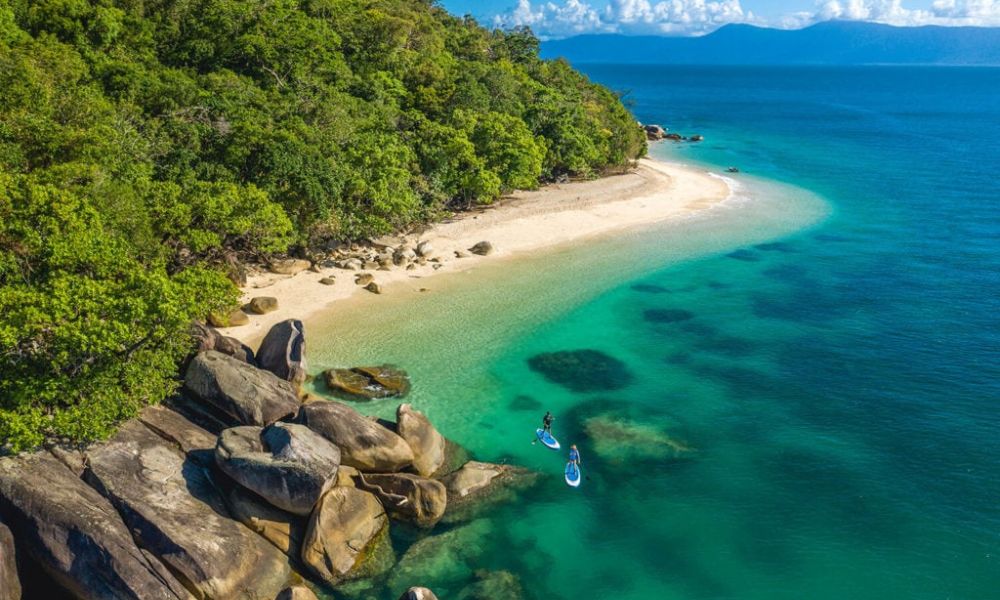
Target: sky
{"points": [[563, 18]]}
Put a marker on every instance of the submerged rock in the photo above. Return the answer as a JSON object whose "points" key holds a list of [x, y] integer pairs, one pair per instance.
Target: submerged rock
{"points": [[368, 383], [347, 537], [492, 585], [10, 585], [283, 351], [175, 512], [427, 444], [75, 536], [582, 370], [744, 255], [408, 497], [618, 438], [249, 395], [447, 556], [286, 464], [364, 443], [667, 315]]}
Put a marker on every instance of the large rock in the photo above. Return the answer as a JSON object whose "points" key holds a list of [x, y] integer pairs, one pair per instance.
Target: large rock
{"points": [[10, 585], [175, 512], [289, 266], [283, 351], [208, 338], [408, 497], [232, 319], [472, 477], [297, 592], [482, 248], [249, 395], [427, 444], [169, 424], [75, 536], [261, 305], [347, 536], [418, 593], [286, 464], [582, 370], [285, 530], [364, 444], [368, 383]]}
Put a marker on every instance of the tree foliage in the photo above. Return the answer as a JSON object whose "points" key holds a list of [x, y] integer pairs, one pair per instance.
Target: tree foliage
{"points": [[145, 142]]}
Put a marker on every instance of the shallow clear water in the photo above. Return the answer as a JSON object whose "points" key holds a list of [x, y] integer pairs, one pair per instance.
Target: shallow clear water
{"points": [[812, 402]]}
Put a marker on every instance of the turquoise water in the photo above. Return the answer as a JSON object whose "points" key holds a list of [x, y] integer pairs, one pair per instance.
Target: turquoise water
{"points": [[807, 398]]}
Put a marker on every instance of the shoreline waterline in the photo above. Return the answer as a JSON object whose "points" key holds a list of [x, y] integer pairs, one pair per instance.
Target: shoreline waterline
{"points": [[534, 225]]}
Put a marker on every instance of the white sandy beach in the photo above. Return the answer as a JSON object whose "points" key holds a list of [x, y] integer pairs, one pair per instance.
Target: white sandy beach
{"points": [[524, 222]]}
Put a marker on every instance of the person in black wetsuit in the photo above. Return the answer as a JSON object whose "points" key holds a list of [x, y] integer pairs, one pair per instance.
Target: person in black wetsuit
{"points": [[547, 422]]}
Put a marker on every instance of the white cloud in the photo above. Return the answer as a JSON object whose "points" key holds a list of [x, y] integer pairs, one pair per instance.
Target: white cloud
{"points": [[551, 19], [694, 17]]}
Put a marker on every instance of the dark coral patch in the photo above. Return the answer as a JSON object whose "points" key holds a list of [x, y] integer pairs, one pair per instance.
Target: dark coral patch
{"points": [[744, 255], [775, 247], [667, 315], [525, 402], [650, 288], [582, 370]]}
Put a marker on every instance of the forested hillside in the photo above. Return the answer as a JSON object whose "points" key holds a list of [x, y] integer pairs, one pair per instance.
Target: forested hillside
{"points": [[145, 145]]}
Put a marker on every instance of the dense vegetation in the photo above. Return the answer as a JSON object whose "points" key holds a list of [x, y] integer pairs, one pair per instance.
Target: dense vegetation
{"points": [[146, 144]]}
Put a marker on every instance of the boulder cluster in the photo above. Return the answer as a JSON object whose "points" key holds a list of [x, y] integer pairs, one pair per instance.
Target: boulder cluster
{"points": [[656, 133], [238, 487]]}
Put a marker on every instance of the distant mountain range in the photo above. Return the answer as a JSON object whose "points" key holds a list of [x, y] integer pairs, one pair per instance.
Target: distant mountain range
{"points": [[827, 43]]}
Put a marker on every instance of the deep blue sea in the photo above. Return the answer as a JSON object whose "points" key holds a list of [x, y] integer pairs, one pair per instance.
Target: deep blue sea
{"points": [[808, 410]]}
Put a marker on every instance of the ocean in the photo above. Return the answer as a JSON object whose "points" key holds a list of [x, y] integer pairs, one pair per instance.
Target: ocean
{"points": [[795, 395]]}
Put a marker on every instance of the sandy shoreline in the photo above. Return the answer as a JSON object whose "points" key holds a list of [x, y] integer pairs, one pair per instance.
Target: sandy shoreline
{"points": [[522, 223]]}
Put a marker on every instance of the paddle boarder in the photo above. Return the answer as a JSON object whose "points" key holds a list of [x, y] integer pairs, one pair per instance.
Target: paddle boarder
{"points": [[574, 455], [547, 422]]}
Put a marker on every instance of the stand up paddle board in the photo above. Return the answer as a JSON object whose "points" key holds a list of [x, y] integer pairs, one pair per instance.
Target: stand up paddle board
{"points": [[573, 475], [546, 438]]}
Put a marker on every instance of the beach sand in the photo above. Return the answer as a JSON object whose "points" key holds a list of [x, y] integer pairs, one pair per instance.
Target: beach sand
{"points": [[524, 222]]}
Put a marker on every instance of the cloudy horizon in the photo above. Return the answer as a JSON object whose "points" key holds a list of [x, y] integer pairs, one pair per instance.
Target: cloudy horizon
{"points": [[564, 18]]}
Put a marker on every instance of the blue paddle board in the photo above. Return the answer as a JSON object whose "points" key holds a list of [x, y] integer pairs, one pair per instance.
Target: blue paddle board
{"points": [[573, 475], [546, 438]]}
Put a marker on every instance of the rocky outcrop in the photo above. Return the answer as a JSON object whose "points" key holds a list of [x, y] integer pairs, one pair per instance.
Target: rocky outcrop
{"points": [[248, 395], [176, 514], [289, 266], [286, 464], [296, 592], [368, 383], [208, 338], [10, 585], [472, 477], [363, 443], [654, 132], [482, 248], [418, 593], [232, 319], [347, 536], [445, 556], [261, 305], [191, 439], [427, 444], [285, 530], [75, 536], [283, 351], [408, 497]]}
